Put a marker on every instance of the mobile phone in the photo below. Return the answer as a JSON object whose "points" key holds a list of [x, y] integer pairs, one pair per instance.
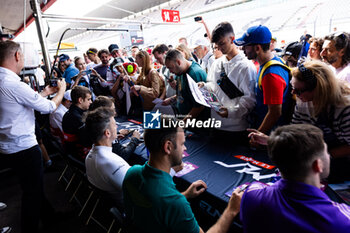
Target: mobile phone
{"points": [[88, 71], [198, 18]]}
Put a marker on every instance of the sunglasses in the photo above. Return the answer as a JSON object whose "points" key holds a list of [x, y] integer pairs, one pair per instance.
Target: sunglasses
{"points": [[298, 92]]}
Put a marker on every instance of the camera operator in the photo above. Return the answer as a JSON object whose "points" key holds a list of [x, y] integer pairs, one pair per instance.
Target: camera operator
{"points": [[18, 145]]}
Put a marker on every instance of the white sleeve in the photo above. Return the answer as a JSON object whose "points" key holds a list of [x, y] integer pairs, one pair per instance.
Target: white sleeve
{"points": [[28, 97], [118, 171], [212, 77], [240, 106]]}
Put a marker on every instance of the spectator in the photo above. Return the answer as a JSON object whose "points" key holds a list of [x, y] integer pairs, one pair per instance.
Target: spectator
{"points": [[124, 152], [291, 53], [336, 52], [185, 51], [18, 146], [184, 69], [92, 55], [304, 40], [76, 140], [69, 70], [202, 51], [295, 203], [82, 79], [104, 169], [315, 49], [183, 40], [134, 50], [149, 84], [114, 50], [237, 97], [159, 53], [166, 210], [273, 97], [119, 89], [57, 116], [108, 74], [273, 44], [324, 102]]}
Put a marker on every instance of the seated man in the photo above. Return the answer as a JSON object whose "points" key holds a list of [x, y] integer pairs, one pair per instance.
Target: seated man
{"points": [[76, 140], [150, 197], [184, 69], [124, 152], [57, 116], [295, 203], [104, 169]]}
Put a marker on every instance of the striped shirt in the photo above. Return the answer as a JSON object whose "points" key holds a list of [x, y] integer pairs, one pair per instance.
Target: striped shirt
{"points": [[335, 126]]}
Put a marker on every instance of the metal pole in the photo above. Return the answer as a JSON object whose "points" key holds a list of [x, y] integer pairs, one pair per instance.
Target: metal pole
{"points": [[38, 21]]}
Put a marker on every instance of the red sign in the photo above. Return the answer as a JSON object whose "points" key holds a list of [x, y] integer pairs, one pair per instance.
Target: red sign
{"points": [[170, 16], [255, 162]]}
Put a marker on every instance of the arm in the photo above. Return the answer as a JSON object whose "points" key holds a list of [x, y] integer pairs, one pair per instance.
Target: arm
{"points": [[273, 86], [80, 75], [195, 189], [126, 152], [206, 28], [116, 86], [151, 92], [239, 107], [273, 114], [231, 211], [61, 86], [169, 100]]}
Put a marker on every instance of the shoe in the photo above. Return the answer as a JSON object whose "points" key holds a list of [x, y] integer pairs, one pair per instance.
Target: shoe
{"points": [[2, 206], [5, 230]]}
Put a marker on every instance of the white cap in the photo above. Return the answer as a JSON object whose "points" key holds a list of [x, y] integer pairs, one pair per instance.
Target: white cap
{"points": [[67, 95], [201, 41]]}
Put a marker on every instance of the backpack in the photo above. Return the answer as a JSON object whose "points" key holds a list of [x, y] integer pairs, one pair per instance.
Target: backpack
{"points": [[289, 110]]}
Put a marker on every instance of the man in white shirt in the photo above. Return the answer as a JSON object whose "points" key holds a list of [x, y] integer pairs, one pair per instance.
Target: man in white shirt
{"points": [[18, 145], [201, 48], [57, 116], [240, 72], [92, 55], [336, 52], [105, 169]]}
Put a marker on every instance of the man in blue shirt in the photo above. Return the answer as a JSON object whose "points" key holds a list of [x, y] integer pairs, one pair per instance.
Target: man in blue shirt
{"points": [[70, 71], [295, 203]]}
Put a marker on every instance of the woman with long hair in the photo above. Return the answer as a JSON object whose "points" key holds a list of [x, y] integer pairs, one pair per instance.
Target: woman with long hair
{"points": [[149, 83], [323, 101]]}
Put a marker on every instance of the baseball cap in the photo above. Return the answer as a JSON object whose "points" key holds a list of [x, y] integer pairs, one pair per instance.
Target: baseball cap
{"points": [[255, 35], [113, 47], [64, 57], [119, 61], [292, 49], [67, 95], [200, 41]]}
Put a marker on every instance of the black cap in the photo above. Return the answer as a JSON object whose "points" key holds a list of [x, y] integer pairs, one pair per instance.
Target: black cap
{"points": [[112, 47], [293, 49]]}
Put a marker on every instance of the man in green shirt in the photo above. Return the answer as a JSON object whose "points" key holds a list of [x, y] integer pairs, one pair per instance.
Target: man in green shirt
{"points": [[184, 69], [152, 202]]}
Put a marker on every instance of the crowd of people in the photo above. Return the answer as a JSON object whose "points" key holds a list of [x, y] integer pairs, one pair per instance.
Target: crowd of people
{"points": [[294, 101]]}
